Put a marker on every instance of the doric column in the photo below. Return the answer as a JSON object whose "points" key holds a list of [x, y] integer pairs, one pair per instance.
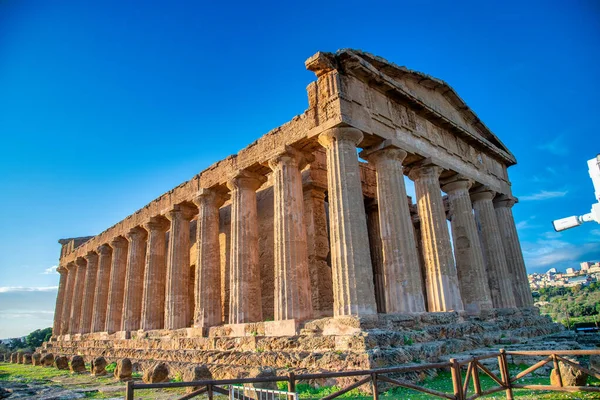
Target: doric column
{"points": [[178, 267], [153, 304], [353, 291], [317, 241], [292, 282], [88, 292], [376, 249], [68, 300], [468, 254], [512, 250], [75, 322], [134, 279], [497, 270], [403, 292], [441, 279], [245, 303], [60, 296], [102, 286], [207, 311], [116, 290]]}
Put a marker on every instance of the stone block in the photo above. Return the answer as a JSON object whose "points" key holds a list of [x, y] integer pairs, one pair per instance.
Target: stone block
{"points": [[99, 366], [197, 373], [288, 327], [77, 365], [570, 376], [27, 358], [47, 360], [157, 373], [123, 369], [61, 362], [36, 359]]}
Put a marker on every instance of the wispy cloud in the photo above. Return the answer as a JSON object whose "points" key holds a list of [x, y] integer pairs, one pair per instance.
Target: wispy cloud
{"points": [[556, 146], [558, 253], [544, 195], [51, 270], [14, 289], [595, 232], [527, 223]]}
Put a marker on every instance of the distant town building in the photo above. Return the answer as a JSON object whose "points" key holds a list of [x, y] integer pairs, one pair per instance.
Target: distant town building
{"points": [[570, 270], [585, 265]]}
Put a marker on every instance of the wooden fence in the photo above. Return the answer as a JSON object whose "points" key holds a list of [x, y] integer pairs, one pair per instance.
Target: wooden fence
{"points": [[466, 386]]}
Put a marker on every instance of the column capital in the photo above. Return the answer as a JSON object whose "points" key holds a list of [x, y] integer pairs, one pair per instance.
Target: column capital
{"points": [[91, 257], [291, 155], [61, 269], [156, 223], [425, 168], [118, 243], [70, 266], [81, 262], [504, 200], [482, 193], [456, 182], [185, 210], [244, 179], [341, 134], [104, 249], [387, 150], [210, 195], [137, 233]]}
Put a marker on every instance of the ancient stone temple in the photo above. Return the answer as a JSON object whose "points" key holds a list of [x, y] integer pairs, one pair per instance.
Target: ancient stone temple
{"points": [[305, 244]]}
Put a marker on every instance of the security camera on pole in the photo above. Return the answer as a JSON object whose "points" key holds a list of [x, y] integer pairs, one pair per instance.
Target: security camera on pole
{"points": [[594, 215]]}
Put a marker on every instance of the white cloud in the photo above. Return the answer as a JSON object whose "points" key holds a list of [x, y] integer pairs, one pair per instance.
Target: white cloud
{"points": [[557, 253], [551, 235], [544, 195], [595, 232], [13, 289], [555, 146], [51, 270]]}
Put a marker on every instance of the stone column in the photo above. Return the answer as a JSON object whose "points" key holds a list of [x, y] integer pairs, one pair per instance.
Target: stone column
{"points": [[153, 304], [245, 287], [468, 254], [88, 292], [58, 309], [512, 250], [68, 300], [292, 282], [75, 321], [375, 246], [317, 240], [493, 251], [353, 291], [102, 286], [178, 267], [402, 277], [207, 312], [116, 290], [441, 278], [134, 280]]}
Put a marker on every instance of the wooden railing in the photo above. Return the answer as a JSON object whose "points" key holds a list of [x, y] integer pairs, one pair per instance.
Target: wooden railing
{"points": [[462, 387]]}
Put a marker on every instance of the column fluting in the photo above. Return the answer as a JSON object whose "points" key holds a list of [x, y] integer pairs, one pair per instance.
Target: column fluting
{"points": [[376, 249], [353, 290], [88, 292], [178, 267], [134, 279], [468, 254], [68, 300], [207, 311], [102, 287], [512, 250], [58, 309], [116, 291], [292, 282], [441, 278], [75, 322], [402, 277], [155, 277], [245, 304], [493, 251]]}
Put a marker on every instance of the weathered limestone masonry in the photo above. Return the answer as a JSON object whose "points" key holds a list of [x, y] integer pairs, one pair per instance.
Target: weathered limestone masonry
{"points": [[297, 253]]}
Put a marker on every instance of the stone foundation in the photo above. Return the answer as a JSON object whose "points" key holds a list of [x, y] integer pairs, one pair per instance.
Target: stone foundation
{"points": [[343, 343]]}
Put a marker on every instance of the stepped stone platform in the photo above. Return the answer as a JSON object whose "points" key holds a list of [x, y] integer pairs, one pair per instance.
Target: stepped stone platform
{"points": [[334, 344]]}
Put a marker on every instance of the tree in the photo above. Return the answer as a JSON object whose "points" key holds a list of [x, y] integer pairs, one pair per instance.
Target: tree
{"points": [[37, 337]]}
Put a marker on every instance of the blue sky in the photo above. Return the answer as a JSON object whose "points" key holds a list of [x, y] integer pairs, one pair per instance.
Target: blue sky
{"points": [[106, 105]]}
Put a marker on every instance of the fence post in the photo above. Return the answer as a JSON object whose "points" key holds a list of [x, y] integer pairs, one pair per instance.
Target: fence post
{"points": [[374, 385], [505, 374], [292, 385], [129, 390], [557, 369], [456, 379], [209, 391]]}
